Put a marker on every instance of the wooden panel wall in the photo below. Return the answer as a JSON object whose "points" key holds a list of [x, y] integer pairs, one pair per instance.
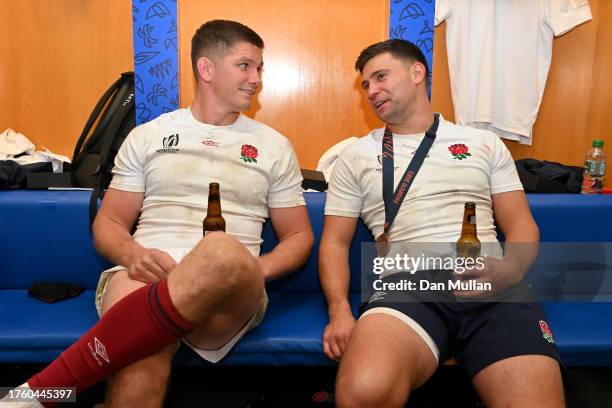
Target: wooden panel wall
{"points": [[600, 102], [311, 92], [56, 58], [577, 103]]}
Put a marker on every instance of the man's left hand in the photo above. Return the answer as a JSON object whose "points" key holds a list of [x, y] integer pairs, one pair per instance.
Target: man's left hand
{"points": [[500, 273]]}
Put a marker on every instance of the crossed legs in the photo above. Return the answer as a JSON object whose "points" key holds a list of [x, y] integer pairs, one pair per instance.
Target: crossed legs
{"points": [[218, 285]]}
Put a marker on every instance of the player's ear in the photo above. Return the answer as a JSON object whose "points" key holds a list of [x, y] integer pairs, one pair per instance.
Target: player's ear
{"points": [[206, 69]]}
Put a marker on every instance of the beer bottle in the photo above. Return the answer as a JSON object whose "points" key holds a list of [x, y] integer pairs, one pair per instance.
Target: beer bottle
{"points": [[214, 220], [468, 245]]}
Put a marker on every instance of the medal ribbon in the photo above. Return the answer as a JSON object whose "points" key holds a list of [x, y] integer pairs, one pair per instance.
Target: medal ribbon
{"points": [[394, 200]]}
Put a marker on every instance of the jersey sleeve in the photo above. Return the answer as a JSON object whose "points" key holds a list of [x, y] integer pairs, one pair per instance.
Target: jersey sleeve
{"points": [[286, 188], [504, 176], [563, 15], [344, 195], [443, 11], [128, 172]]}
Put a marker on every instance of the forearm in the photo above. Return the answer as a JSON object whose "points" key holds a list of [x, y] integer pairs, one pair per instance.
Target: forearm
{"points": [[334, 274], [521, 246], [291, 253], [113, 241]]}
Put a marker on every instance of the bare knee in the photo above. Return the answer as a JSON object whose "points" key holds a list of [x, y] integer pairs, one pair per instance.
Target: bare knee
{"points": [[366, 389], [233, 266], [217, 276], [219, 261]]}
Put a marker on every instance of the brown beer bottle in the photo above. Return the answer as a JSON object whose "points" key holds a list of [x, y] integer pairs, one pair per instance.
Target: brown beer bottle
{"points": [[214, 220], [468, 245]]}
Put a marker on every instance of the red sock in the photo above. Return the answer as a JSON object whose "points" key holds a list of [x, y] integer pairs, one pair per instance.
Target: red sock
{"points": [[137, 326]]}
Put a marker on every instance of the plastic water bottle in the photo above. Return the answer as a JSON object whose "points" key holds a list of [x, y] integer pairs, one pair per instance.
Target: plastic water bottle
{"points": [[594, 169]]}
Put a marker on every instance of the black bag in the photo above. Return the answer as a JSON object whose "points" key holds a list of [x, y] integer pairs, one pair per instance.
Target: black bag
{"points": [[549, 177], [14, 175], [94, 156], [51, 292]]}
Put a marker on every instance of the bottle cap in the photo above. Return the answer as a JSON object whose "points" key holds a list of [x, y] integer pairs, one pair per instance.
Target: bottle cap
{"points": [[598, 143]]}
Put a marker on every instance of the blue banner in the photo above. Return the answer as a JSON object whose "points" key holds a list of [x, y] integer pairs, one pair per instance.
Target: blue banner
{"points": [[413, 20], [155, 58]]}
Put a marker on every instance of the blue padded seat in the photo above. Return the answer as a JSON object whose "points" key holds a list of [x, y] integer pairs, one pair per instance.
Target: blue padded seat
{"points": [[45, 237], [35, 332]]}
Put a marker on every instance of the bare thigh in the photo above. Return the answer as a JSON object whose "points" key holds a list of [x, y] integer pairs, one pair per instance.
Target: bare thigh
{"points": [[215, 332], [219, 280], [223, 326], [385, 359], [522, 381], [220, 283], [118, 287]]}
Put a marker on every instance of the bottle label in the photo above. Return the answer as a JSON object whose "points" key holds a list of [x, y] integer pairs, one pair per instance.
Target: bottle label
{"points": [[595, 168], [592, 185], [472, 219]]}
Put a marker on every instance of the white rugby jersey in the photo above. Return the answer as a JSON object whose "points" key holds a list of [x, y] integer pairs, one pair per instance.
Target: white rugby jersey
{"points": [[173, 158], [463, 164]]}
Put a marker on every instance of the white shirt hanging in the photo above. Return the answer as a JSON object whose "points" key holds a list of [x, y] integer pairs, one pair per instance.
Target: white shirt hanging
{"points": [[499, 54]]}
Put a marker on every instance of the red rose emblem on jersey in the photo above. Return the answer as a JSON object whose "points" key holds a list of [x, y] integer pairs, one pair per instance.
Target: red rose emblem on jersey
{"points": [[459, 151], [248, 154], [546, 332]]}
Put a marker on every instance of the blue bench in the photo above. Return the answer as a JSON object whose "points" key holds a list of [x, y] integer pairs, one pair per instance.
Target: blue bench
{"points": [[44, 237]]}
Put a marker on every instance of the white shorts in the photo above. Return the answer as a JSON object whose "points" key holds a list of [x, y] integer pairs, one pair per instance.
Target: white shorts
{"points": [[212, 356]]}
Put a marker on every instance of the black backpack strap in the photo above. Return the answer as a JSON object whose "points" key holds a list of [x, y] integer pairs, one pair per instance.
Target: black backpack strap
{"points": [[126, 80], [125, 98], [93, 205]]}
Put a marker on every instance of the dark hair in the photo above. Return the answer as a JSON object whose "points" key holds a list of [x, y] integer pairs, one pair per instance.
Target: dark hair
{"points": [[400, 49], [215, 37]]}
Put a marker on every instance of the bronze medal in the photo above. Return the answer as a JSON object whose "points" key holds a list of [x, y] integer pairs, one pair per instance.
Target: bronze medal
{"points": [[382, 245]]}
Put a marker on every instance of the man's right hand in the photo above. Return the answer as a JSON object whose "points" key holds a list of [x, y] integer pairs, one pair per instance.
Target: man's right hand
{"points": [[150, 265], [337, 334]]}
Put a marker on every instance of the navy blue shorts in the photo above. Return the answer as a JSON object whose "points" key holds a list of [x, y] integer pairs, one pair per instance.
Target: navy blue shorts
{"points": [[481, 333]]}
